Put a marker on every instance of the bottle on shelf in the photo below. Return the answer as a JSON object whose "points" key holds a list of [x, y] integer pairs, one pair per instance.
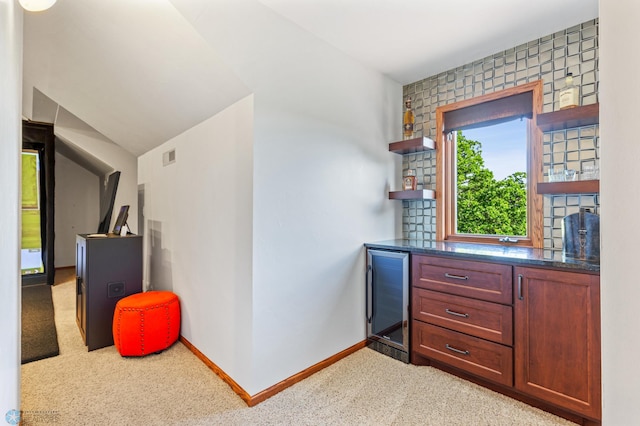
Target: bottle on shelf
{"points": [[409, 120], [409, 182], [569, 96]]}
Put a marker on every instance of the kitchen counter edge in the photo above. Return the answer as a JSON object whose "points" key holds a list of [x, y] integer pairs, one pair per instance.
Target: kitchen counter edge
{"points": [[514, 255]]}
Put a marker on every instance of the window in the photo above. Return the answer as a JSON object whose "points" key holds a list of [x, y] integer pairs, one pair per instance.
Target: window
{"points": [[478, 201]]}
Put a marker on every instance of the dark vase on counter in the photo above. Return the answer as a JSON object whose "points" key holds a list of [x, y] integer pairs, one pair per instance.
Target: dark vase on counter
{"points": [[581, 235]]}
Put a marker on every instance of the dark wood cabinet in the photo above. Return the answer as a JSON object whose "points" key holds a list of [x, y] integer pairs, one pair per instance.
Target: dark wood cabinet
{"points": [[108, 268], [462, 315], [557, 338], [531, 333]]}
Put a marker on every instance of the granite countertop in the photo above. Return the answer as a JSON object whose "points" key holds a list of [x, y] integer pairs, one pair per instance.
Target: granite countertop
{"points": [[515, 255]]}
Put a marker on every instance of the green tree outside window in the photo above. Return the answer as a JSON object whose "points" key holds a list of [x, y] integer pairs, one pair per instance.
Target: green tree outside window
{"points": [[486, 206]]}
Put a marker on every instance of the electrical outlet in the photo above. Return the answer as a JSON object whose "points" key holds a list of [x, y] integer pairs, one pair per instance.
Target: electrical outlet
{"points": [[115, 289]]}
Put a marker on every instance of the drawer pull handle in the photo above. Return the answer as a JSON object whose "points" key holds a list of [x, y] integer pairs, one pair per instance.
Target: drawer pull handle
{"points": [[458, 314], [458, 351], [457, 277]]}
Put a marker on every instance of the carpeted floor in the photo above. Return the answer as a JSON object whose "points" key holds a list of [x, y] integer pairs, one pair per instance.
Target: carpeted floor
{"points": [[175, 388], [39, 336]]}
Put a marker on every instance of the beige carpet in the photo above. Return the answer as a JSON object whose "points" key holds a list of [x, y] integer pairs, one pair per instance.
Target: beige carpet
{"points": [[175, 388]]}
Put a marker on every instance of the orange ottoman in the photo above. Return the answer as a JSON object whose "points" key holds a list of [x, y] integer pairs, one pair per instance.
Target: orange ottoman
{"points": [[145, 323]]}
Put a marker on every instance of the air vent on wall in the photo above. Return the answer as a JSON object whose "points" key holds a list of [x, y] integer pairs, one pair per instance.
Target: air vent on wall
{"points": [[169, 157]]}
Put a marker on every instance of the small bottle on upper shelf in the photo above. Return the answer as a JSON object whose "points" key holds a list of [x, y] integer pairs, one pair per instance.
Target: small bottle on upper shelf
{"points": [[409, 120], [569, 95]]}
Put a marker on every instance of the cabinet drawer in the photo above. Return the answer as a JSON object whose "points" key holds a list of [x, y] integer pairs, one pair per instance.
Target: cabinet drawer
{"points": [[477, 356], [478, 318], [479, 280]]}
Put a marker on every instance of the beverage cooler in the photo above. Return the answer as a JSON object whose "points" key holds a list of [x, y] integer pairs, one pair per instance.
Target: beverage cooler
{"points": [[387, 298]]}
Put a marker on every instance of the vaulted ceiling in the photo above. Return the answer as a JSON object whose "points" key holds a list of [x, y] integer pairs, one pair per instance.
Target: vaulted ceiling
{"points": [[139, 73]]}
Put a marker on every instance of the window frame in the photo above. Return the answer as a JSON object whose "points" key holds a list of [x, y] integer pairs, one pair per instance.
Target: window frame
{"points": [[446, 166]]}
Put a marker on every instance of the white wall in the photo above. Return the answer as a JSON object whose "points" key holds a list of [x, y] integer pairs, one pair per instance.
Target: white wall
{"points": [[321, 167], [96, 145], [77, 207], [620, 192], [198, 232], [10, 147]]}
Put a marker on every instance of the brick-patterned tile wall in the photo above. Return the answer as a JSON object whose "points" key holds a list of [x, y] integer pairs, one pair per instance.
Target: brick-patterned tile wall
{"points": [[549, 59]]}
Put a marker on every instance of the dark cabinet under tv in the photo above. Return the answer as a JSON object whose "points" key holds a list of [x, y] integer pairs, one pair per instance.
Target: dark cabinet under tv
{"points": [[108, 268]]}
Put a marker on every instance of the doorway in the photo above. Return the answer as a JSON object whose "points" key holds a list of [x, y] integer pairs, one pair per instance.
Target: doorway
{"points": [[38, 184]]}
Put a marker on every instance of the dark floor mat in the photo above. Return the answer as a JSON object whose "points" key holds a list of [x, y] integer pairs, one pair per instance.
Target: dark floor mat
{"points": [[39, 336]]}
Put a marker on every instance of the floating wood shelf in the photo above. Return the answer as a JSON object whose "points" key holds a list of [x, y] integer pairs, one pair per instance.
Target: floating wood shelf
{"points": [[567, 118], [420, 194], [411, 146], [573, 187]]}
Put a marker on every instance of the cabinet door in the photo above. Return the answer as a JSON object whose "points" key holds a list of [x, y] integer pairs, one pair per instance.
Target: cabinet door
{"points": [[81, 301], [557, 338]]}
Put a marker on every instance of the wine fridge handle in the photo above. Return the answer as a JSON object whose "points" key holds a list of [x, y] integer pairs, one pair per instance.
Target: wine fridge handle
{"points": [[369, 289]]}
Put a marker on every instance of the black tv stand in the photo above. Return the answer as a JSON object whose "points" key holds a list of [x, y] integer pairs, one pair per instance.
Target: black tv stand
{"points": [[108, 268]]}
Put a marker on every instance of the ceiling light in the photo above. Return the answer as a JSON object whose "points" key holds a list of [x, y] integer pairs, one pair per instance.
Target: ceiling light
{"points": [[36, 5]]}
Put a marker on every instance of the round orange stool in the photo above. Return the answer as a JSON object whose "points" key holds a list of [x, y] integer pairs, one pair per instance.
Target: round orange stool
{"points": [[145, 323]]}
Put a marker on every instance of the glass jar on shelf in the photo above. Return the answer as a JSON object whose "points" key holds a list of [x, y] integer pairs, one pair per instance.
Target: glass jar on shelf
{"points": [[590, 172]]}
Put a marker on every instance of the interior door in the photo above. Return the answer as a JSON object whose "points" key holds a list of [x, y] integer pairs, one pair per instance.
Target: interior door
{"points": [[38, 179]]}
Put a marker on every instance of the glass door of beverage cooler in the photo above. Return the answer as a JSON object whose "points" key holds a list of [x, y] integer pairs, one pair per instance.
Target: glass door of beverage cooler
{"points": [[388, 299]]}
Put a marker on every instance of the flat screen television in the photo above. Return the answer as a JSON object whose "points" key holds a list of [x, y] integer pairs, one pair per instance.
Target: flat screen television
{"points": [[121, 220], [106, 202]]}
